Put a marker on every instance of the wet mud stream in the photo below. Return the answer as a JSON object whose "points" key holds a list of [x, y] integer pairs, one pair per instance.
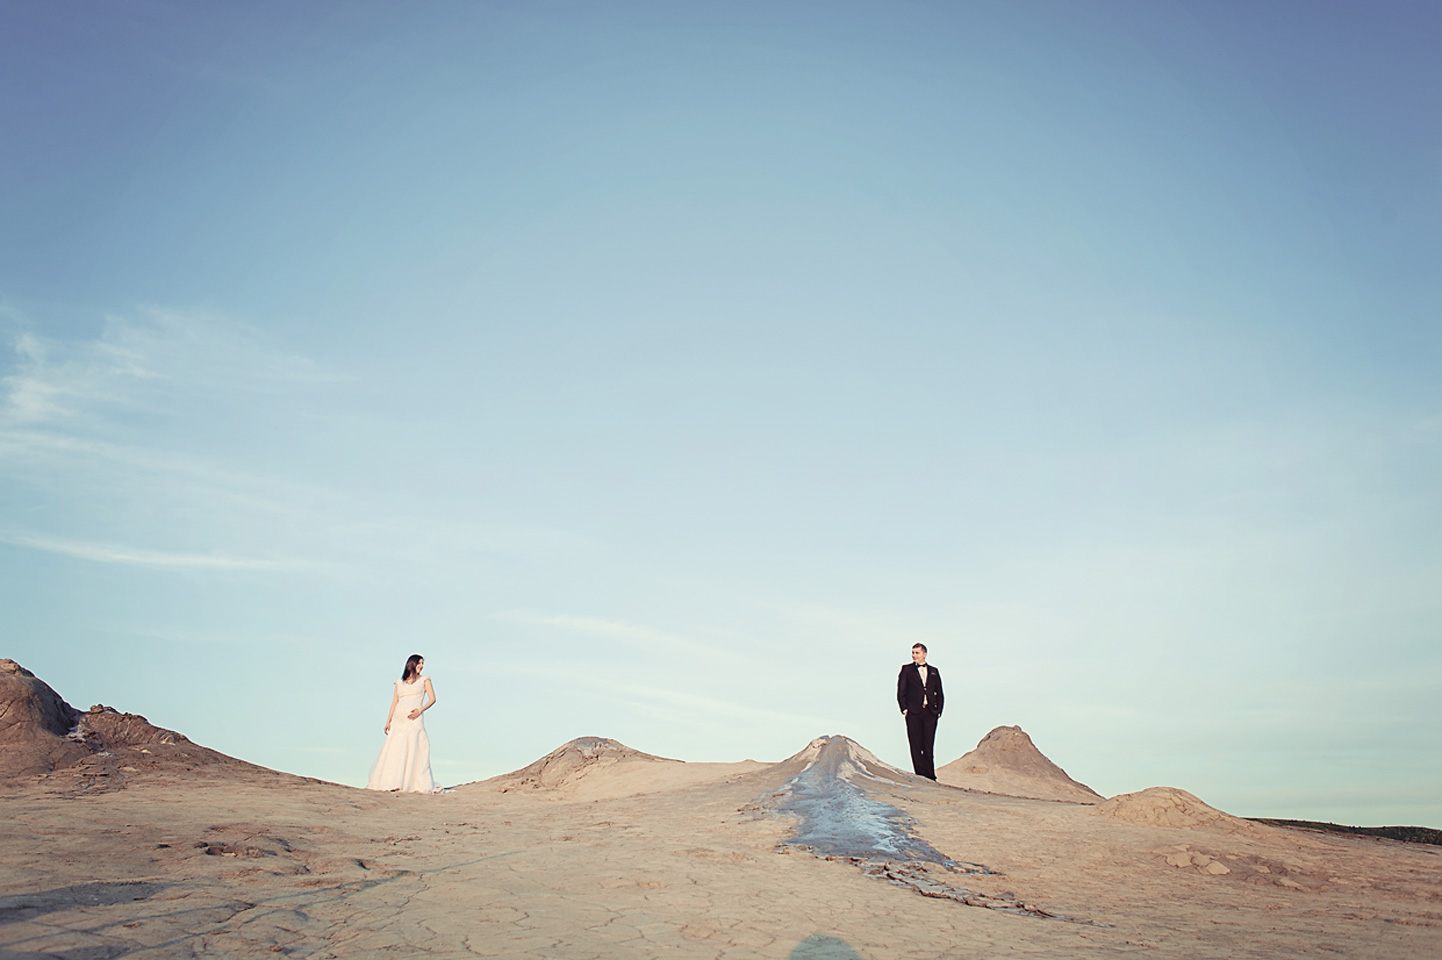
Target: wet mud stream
{"points": [[839, 819]]}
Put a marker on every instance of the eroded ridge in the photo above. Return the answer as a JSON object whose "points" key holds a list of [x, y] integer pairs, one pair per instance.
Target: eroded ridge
{"points": [[839, 819]]}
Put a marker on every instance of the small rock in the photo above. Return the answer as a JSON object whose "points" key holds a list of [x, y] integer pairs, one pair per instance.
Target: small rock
{"points": [[1217, 869]]}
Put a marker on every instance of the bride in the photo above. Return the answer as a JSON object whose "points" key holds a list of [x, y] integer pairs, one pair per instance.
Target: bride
{"points": [[405, 760]]}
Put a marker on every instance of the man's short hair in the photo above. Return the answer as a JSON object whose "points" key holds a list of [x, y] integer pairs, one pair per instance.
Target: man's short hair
{"points": [[920, 646]]}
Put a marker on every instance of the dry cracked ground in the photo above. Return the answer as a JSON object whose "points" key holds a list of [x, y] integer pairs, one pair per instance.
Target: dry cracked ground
{"points": [[622, 855]]}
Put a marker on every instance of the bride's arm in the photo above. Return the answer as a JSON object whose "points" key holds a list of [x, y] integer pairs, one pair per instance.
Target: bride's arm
{"points": [[395, 695], [430, 692]]}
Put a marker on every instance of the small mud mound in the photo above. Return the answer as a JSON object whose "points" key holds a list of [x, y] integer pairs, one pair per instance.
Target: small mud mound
{"points": [[844, 758], [1170, 807], [1007, 762], [579, 759]]}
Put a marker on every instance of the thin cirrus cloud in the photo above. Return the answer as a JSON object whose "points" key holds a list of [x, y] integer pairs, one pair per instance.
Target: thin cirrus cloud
{"points": [[46, 387], [140, 362], [678, 708], [78, 443], [143, 557], [636, 636], [665, 704], [68, 450]]}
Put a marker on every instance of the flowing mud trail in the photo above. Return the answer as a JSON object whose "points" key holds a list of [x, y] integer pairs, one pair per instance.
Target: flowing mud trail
{"points": [[840, 819]]}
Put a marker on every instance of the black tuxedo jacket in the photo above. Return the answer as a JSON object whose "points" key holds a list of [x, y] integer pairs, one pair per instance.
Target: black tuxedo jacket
{"points": [[909, 692]]}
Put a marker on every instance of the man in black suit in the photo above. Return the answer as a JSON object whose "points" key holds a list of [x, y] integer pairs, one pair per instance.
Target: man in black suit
{"points": [[918, 693]]}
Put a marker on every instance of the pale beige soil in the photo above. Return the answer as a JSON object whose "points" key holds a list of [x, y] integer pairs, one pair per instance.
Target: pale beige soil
{"points": [[638, 857]]}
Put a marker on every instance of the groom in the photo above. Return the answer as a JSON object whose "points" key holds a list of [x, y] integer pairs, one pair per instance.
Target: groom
{"points": [[918, 693]]}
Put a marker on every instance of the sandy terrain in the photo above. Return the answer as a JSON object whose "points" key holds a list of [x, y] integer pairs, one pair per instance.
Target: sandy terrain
{"points": [[602, 851]]}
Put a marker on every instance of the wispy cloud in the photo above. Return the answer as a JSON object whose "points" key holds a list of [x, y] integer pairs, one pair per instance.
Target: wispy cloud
{"points": [[677, 706], [138, 362], [722, 659], [139, 556], [188, 635], [98, 426], [42, 445], [694, 707], [634, 635], [138, 446]]}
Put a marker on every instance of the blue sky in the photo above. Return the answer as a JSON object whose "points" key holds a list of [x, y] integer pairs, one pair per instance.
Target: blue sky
{"points": [[664, 372]]}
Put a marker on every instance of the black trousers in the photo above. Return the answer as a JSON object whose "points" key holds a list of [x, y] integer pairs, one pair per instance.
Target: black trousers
{"points": [[921, 733]]}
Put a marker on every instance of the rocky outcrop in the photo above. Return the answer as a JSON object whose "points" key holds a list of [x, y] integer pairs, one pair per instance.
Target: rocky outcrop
{"points": [[1007, 762], [35, 725], [40, 733]]}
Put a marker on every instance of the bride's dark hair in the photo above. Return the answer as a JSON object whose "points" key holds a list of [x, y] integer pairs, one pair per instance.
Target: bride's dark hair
{"points": [[410, 670]]}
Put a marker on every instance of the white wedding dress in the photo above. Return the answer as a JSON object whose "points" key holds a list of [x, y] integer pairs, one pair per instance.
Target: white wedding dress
{"points": [[405, 760]]}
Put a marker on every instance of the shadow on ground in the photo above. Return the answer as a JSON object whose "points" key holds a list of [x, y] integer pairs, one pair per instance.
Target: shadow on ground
{"points": [[27, 906], [817, 947]]}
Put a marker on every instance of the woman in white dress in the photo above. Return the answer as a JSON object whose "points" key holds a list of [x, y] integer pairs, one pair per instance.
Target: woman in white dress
{"points": [[405, 760]]}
